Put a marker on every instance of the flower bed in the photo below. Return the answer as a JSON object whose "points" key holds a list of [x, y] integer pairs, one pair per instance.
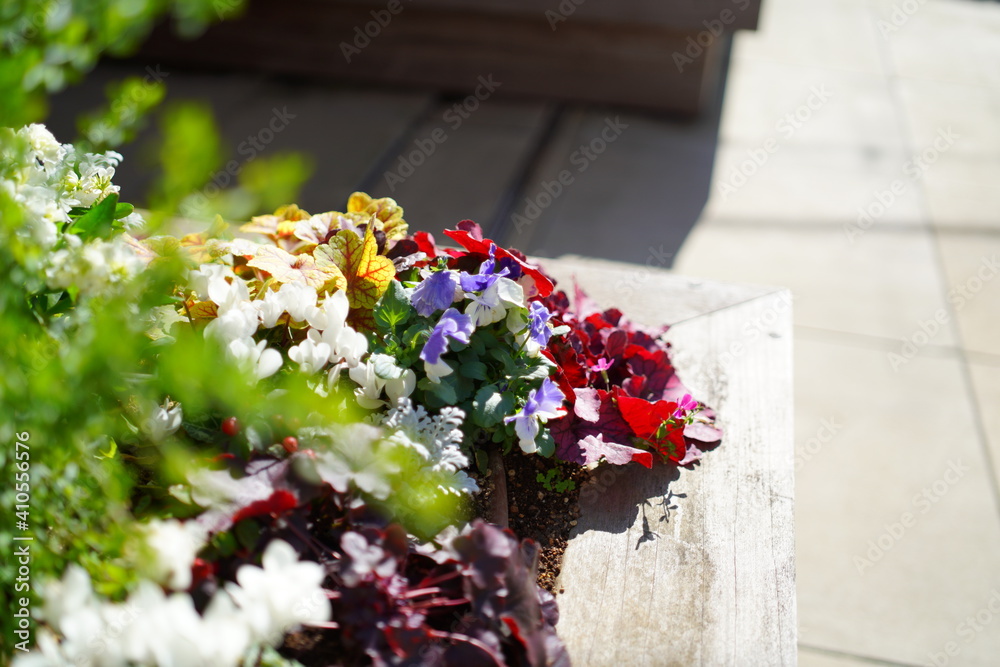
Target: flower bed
{"points": [[288, 432]]}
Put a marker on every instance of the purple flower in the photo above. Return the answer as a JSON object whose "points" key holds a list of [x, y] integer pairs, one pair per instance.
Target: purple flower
{"points": [[543, 404], [452, 324], [686, 404], [435, 293], [538, 318], [487, 274], [601, 365]]}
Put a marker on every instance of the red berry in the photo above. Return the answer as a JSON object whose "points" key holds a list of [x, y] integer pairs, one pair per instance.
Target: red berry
{"points": [[231, 426], [291, 444]]}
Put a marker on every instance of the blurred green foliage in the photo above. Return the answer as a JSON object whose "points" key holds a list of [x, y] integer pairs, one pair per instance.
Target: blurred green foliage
{"points": [[129, 102], [75, 369], [45, 44]]}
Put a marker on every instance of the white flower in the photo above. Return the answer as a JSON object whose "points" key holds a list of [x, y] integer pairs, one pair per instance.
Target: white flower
{"points": [[225, 294], [200, 278], [225, 634], [234, 322], [369, 391], [492, 305], [330, 318], [332, 314], [175, 546], [44, 144], [281, 595], [151, 628], [401, 387], [260, 359], [299, 300], [163, 421], [311, 354], [270, 309], [437, 371], [92, 267]]}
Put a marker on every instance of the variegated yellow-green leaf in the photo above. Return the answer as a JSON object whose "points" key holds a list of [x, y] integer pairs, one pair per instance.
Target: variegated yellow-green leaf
{"points": [[202, 310], [385, 210], [368, 274], [285, 267]]}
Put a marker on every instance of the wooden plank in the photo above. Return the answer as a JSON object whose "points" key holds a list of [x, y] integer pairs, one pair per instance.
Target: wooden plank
{"points": [[711, 580], [629, 64], [689, 14]]}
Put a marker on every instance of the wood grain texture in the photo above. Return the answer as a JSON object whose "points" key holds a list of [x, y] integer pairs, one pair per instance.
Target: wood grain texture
{"points": [[675, 14], [695, 567], [630, 64]]}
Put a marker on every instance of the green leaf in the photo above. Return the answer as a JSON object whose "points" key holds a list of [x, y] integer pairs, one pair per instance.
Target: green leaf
{"points": [[393, 309], [503, 356], [442, 392], [490, 406], [411, 335], [247, 533], [479, 340], [475, 370], [98, 221], [545, 443], [121, 210], [482, 461], [534, 371]]}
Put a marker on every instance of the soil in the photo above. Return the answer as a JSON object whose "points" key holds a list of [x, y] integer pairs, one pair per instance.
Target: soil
{"points": [[538, 513]]}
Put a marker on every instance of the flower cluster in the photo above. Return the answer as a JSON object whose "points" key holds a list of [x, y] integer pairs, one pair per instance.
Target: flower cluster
{"points": [[623, 392], [68, 205], [154, 628], [400, 365]]}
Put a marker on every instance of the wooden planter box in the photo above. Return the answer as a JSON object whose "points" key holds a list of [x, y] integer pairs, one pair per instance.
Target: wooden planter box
{"points": [[693, 567], [644, 53]]}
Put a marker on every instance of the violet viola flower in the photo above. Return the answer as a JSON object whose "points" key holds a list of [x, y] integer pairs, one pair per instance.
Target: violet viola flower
{"points": [[435, 293], [452, 324], [543, 404], [487, 274], [538, 318]]}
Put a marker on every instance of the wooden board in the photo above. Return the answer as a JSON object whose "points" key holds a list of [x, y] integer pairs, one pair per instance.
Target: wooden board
{"points": [[694, 567], [631, 64], [675, 14]]}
